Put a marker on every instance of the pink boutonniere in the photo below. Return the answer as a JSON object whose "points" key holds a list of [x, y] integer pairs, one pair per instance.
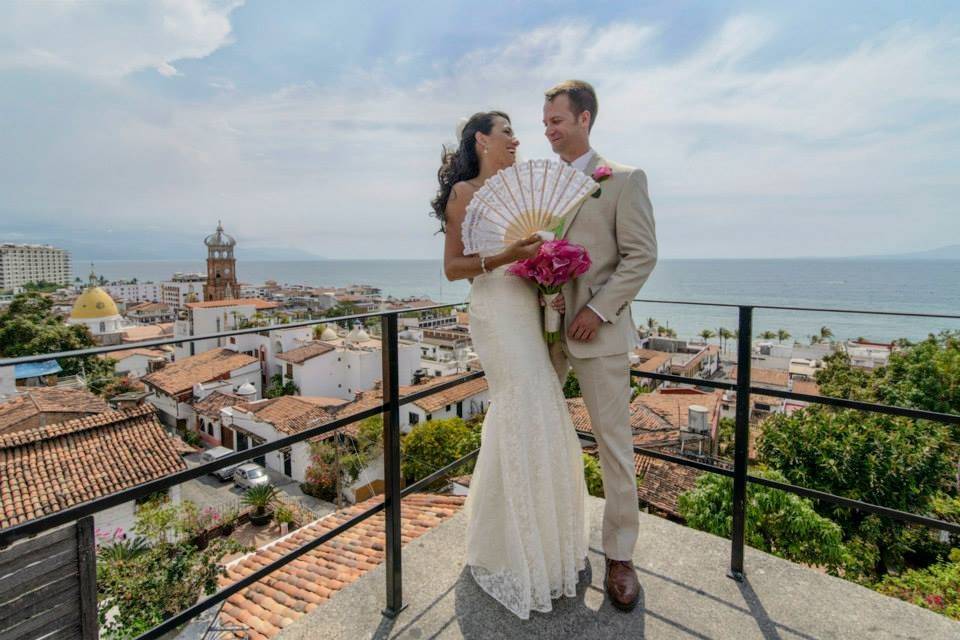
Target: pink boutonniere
{"points": [[599, 175]]}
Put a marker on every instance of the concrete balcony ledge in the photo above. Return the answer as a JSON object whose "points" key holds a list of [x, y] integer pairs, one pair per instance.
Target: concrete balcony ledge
{"points": [[685, 594]]}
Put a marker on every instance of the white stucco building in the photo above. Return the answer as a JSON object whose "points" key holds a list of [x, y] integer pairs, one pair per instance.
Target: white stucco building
{"points": [[181, 289], [134, 292], [341, 367], [179, 384], [21, 264], [200, 318]]}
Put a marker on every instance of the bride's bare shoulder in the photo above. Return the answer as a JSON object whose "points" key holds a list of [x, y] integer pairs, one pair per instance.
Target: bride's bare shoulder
{"points": [[460, 196]]}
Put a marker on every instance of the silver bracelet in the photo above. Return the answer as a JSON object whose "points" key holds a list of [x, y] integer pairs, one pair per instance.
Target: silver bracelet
{"points": [[483, 266]]}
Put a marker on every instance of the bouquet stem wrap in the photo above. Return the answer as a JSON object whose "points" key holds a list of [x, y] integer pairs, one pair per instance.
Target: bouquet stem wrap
{"points": [[551, 318]]}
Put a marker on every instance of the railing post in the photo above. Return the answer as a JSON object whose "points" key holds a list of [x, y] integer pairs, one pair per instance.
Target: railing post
{"points": [[391, 464], [741, 442]]}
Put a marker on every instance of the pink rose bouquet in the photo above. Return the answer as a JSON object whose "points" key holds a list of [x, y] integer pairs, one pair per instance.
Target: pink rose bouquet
{"points": [[557, 263]]}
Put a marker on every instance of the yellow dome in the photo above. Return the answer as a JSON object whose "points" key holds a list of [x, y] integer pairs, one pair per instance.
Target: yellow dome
{"points": [[94, 303]]}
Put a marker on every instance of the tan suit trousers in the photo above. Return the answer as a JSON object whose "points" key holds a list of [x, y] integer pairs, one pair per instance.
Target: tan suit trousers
{"points": [[605, 386]]}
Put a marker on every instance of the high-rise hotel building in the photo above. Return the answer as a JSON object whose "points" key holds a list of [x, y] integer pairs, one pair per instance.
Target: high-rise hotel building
{"points": [[24, 263]]}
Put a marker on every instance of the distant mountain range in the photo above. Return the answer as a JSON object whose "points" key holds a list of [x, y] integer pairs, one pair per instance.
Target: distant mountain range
{"points": [[949, 252]]}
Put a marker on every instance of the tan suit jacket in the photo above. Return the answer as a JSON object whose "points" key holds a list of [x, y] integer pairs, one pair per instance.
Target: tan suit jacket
{"points": [[618, 230]]}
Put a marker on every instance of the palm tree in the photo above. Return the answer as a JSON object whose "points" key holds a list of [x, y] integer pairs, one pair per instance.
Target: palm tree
{"points": [[706, 334], [651, 323], [782, 334], [767, 335], [725, 334], [815, 339], [261, 498], [825, 333]]}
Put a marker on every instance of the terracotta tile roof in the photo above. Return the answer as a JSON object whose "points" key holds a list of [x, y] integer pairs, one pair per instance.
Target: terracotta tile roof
{"points": [[306, 352], [761, 375], [256, 303], [458, 393], [45, 470], [806, 386], [147, 307], [322, 401], [211, 405], [463, 480], [662, 482], [674, 407], [180, 376], [48, 400], [641, 417], [148, 332], [275, 602], [374, 397], [651, 361], [288, 414], [149, 352], [579, 415], [654, 439]]}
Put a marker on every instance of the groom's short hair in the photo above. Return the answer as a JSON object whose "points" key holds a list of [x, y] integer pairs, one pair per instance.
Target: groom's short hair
{"points": [[581, 95]]}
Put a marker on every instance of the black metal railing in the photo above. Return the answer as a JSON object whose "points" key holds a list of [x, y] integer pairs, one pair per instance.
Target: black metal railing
{"points": [[390, 408]]}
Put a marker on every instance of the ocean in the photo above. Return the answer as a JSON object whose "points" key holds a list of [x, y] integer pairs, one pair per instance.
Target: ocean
{"points": [[917, 286]]}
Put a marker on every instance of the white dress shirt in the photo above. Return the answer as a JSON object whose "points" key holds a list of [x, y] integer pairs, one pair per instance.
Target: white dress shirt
{"points": [[580, 164]]}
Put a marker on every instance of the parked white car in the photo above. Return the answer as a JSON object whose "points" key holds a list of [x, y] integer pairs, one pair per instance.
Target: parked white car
{"points": [[250, 475], [216, 453]]}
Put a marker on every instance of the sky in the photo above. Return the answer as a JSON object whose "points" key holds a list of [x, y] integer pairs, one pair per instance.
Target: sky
{"points": [[314, 129]]}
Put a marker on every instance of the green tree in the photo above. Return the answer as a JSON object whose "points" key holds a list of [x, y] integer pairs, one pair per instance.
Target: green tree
{"points": [[923, 376], [370, 435], [593, 474], [434, 444], [571, 386], [725, 437], [839, 378], [767, 335], [826, 334], [121, 384], [321, 474], [936, 587], [143, 581], [783, 334], [881, 459], [777, 522], [725, 335], [706, 334], [28, 327], [280, 387], [41, 286]]}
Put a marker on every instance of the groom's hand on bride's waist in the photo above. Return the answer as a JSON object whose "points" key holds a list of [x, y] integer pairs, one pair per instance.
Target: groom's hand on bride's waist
{"points": [[584, 326]]}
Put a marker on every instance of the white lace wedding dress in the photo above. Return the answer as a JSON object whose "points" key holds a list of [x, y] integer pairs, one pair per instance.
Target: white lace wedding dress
{"points": [[527, 533]]}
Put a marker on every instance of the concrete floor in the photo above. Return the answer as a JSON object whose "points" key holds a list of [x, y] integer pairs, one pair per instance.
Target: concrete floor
{"points": [[685, 594]]}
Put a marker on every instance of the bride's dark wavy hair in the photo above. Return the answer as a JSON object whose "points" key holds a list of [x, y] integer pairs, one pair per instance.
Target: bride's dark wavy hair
{"points": [[463, 163]]}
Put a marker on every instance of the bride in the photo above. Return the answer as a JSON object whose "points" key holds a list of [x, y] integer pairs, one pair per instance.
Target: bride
{"points": [[526, 537]]}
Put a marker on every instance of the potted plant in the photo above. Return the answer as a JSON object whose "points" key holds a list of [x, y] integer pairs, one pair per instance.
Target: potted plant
{"points": [[229, 521], [284, 517], [260, 498]]}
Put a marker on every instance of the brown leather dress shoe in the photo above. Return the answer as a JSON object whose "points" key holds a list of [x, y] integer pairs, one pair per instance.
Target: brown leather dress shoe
{"points": [[622, 584]]}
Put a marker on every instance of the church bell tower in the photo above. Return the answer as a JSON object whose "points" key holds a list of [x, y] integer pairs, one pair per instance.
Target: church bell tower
{"points": [[221, 267]]}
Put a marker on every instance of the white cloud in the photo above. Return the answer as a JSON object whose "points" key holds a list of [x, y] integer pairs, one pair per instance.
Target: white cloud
{"points": [[167, 70], [847, 153], [112, 38]]}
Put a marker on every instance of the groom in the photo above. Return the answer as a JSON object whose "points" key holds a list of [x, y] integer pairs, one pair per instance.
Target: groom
{"points": [[616, 226]]}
